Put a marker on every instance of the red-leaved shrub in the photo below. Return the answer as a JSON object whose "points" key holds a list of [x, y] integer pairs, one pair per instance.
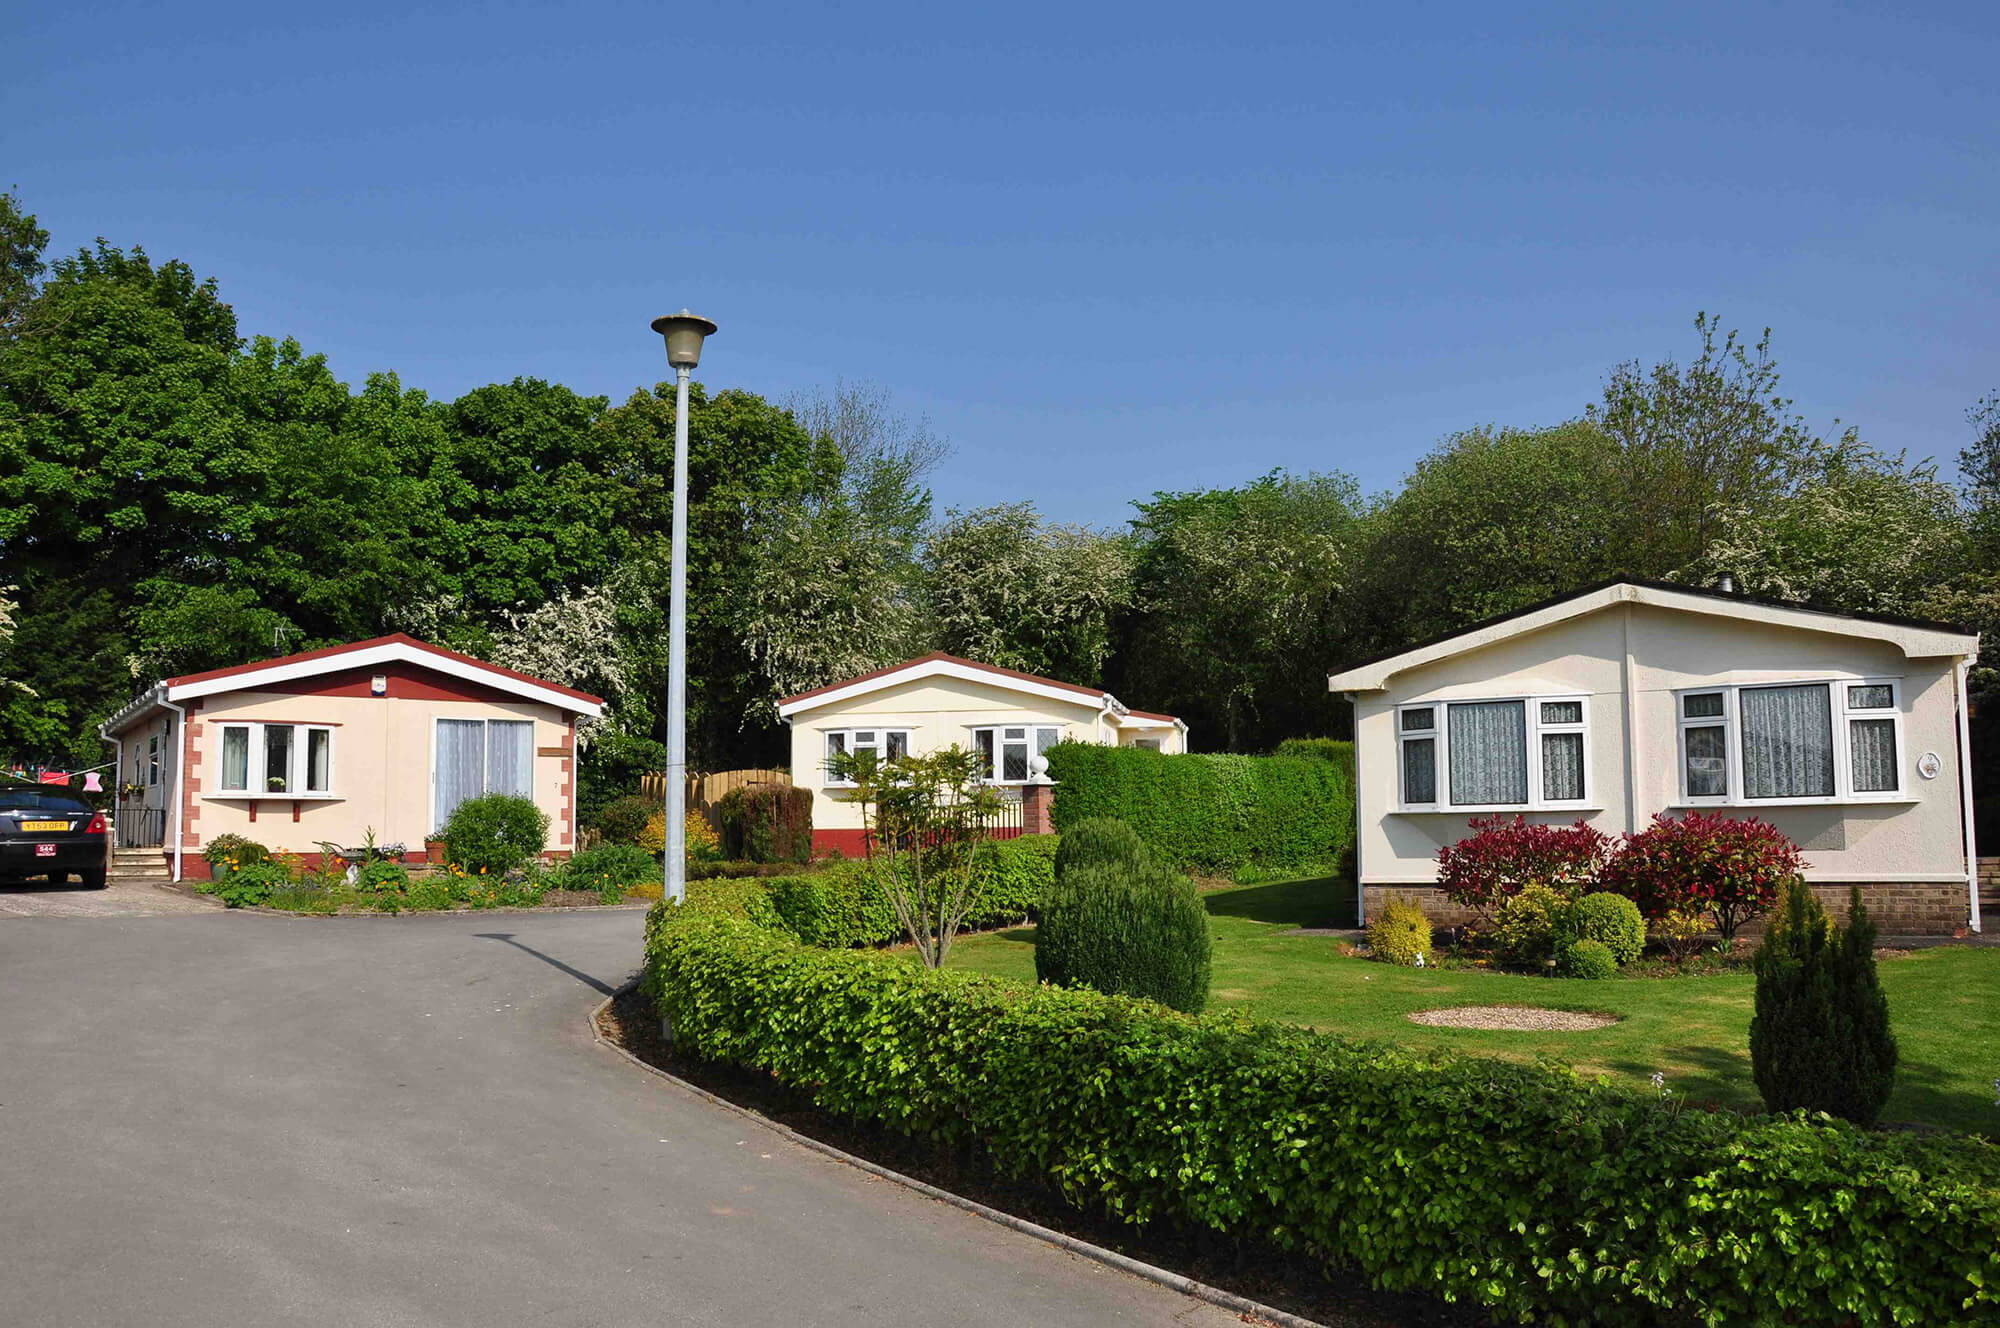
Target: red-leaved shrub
{"points": [[1727, 867], [1502, 855]]}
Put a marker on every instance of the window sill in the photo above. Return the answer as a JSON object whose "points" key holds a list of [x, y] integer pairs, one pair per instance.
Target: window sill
{"points": [[1487, 811], [243, 795], [1752, 804]]}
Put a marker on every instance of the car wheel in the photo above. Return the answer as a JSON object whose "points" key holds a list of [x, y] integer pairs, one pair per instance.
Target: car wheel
{"points": [[92, 880]]}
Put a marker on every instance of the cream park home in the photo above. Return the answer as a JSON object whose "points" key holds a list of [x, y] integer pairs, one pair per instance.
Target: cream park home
{"points": [[928, 704], [384, 737], [1846, 732]]}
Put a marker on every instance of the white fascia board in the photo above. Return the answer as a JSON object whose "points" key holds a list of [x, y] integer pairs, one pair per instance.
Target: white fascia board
{"points": [[1131, 721], [1914, 642], [394, 652], [147, 700], [941, 668]]}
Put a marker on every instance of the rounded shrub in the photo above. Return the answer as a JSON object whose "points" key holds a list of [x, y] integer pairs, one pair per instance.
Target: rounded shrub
{"points": [[1132, 929], [623, 820], [1612, 919], [1099, 841], [1527, 926], [1585, 959], [495, 833], [1401, 934]]}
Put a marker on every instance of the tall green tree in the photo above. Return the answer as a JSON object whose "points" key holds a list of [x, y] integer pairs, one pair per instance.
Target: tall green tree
{"points": [[1006, 587], [22, 243], [1492, 520], [1239, 593]]}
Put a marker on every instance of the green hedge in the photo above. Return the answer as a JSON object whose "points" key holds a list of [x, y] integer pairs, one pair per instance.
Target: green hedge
{"points": [[1521, 1188], [1338, 750], [842, 905], [1210, 813]]}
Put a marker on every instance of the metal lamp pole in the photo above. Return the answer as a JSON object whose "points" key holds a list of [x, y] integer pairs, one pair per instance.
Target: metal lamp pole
{"points": [[684, 332]]}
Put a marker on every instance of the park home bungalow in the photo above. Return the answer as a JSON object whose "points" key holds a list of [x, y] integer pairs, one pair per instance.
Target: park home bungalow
{"points": [[928, 704], [1845, 731], [385, 737]]}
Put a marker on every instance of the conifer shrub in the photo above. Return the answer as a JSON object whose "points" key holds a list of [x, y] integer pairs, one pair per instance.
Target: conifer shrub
{"points": [[1585, 958], [1820, 1038], [1127, 928], [1401, 935], [1611, 920]]}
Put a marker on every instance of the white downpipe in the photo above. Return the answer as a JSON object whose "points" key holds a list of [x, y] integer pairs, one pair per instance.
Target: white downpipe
{"points": [[180, 775], [1965, 794], [676, 845]]}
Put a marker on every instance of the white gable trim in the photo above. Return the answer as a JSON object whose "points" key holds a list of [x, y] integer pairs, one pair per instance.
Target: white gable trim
{"points": [[392, 652], [945, 668], [1914, 642]]}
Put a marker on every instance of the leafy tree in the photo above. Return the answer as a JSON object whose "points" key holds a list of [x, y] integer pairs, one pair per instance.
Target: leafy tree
{"points": [[1862, 533], [1008, 588], [21, 266], [1239, 592], [1700, 440], [926, 817], [836, 576], [1491, 521]]}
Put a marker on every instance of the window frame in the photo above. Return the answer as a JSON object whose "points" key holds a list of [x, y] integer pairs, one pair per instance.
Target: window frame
{"points": [[846, 733], [485, 762], [1031, 729], [255, 767], [1843, 714], [1533, 726]]}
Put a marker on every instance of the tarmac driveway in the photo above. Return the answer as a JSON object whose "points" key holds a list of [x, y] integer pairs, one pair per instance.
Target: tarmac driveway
{"points": [[246, 1119], [116, 899]]}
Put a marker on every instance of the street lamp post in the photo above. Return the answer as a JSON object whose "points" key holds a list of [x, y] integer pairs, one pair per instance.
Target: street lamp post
{"points": [[684, 332]]}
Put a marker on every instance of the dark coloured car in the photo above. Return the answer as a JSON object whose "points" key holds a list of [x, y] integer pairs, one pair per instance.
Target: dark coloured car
{"points": [[46, 830]]}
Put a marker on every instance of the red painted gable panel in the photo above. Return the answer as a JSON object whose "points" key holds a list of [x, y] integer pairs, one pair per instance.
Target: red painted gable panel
{"points": [[406, 682]]}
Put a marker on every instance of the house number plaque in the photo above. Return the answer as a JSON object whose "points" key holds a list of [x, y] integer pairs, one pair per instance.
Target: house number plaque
{"points": [[1929, 765]]}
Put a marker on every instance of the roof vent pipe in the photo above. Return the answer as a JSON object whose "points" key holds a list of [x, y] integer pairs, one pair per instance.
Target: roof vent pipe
{"points": [[1727, 584]]}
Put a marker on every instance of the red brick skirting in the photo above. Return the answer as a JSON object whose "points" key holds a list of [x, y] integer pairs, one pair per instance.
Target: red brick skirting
{"points": [[1900, 908]]}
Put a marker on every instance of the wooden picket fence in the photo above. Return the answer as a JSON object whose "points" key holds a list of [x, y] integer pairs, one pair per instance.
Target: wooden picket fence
{"points": [[705, 790]]}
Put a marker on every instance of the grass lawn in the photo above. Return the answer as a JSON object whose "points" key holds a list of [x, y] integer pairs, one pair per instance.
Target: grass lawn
{"points": [[1944, 1005]]}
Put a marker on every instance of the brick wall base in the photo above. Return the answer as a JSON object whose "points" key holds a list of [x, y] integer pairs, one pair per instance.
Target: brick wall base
{"points": [[1900, 908]]}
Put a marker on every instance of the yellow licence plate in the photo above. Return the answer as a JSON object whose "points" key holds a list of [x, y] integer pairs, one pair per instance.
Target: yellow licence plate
{"points": [[45, 825]]}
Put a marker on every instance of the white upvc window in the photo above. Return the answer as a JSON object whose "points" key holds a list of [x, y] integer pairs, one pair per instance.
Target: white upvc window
{"points": [[275, 760], [471, 758], [887, 744], [1791, 742], [1515, 753], [1004, 749]]}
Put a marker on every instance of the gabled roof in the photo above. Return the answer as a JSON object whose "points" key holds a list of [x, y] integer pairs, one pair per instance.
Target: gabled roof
{"points": [[940, 665], [395, 649], [1915, 637]]}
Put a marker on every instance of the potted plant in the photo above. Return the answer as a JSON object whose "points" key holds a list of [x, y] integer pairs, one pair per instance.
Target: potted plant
{"points": [[275, 784]]}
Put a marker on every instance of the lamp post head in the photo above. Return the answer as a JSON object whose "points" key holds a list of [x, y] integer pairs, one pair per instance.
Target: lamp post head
{"points": [[684, 332]]}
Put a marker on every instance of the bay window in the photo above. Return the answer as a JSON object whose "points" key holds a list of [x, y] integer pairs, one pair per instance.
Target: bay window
{"points": [[1512, 753], [1004, 749], [887, 744], [276, 760], [1789, 742]]}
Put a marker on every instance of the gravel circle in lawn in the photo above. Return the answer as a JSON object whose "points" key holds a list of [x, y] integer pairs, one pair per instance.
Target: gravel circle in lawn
{"points": [[1519, 1018]]}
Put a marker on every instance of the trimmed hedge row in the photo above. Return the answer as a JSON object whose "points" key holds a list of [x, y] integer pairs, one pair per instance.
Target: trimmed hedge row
{"points": [[1208, 812], [841, 905], [1520, 1188]]}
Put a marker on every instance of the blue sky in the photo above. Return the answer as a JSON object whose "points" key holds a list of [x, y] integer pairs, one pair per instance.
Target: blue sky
{"points": [[1106, 249]]}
